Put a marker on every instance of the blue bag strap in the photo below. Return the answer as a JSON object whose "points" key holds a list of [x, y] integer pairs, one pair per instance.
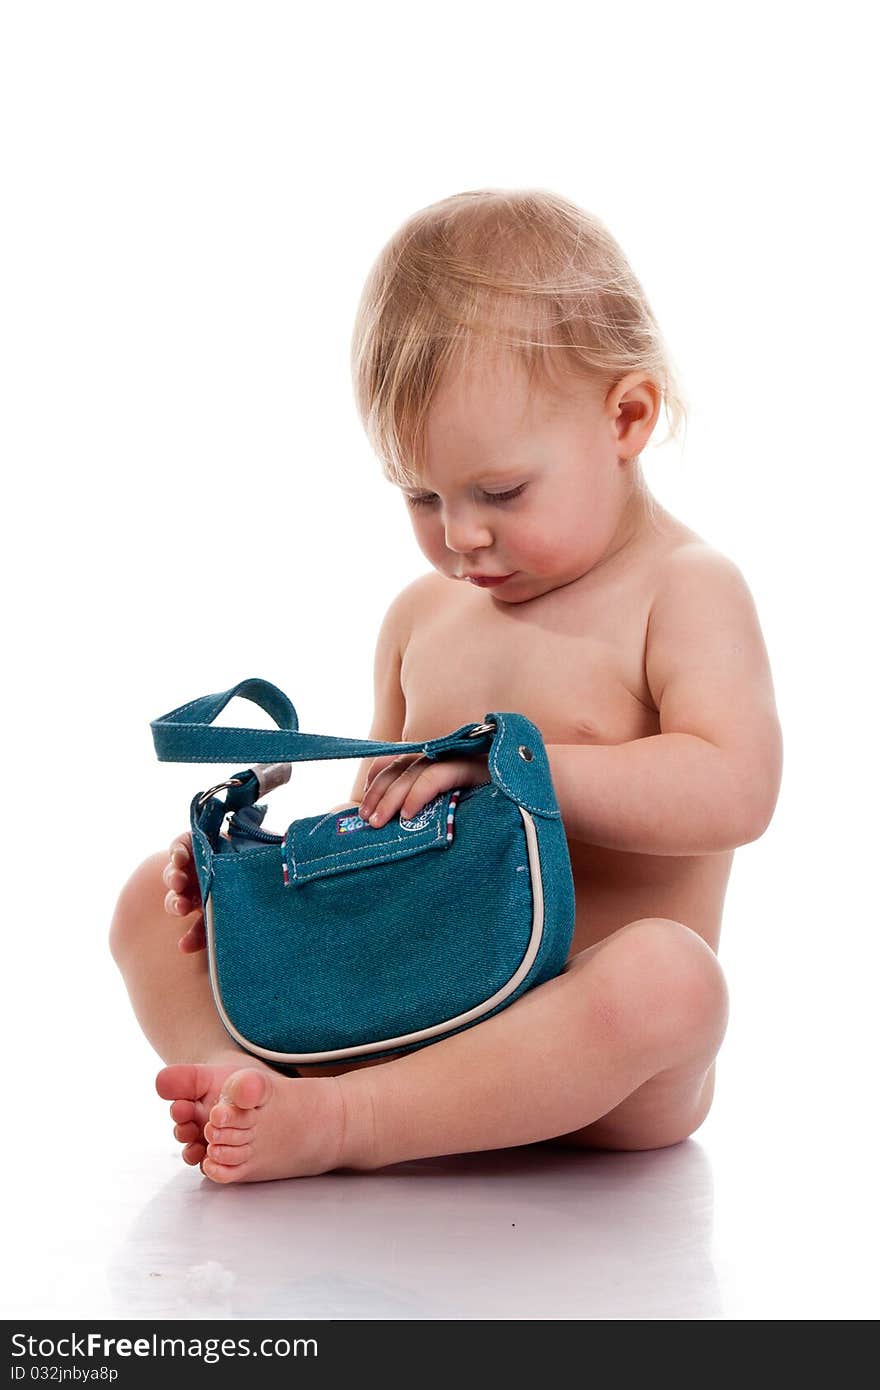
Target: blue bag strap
{"points": [[187, 734]]}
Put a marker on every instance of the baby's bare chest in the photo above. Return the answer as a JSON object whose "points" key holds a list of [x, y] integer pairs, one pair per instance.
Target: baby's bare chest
{"points": [[574, 666]]}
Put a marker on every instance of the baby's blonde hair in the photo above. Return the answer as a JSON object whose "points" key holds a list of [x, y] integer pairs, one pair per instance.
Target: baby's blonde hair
{"points": [[520, 267]]}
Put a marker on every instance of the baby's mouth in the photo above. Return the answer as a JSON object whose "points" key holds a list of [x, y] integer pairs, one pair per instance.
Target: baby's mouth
{"points": [[488, 581]]}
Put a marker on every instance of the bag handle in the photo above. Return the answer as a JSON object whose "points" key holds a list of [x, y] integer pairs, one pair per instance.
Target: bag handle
{"points": [[187, 734]]}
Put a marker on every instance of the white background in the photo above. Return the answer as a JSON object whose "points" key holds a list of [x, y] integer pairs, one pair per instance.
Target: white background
{"points": [[193, 194]]}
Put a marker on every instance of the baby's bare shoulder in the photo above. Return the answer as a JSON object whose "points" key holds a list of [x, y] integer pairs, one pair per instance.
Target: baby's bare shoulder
{"points": [[690, 549], [431, 588], [694, 577], [420, 596], [406, 615], [702, 614], [429, 595]]}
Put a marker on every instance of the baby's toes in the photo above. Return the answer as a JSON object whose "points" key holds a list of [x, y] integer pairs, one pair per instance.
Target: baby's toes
{"points": [[182, 1111], [229, 1134], [243, 1091], [185, 1134], [221, 1172], [189, 1120], [229, 1155]]}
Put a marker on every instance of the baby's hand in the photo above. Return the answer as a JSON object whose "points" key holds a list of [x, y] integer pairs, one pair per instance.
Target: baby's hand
{"points": [[183, 898], [408, 782]]}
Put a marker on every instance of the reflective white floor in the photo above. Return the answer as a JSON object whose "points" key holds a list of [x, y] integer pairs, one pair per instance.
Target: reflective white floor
{"points": [[761, 1215], [527, 1234]]}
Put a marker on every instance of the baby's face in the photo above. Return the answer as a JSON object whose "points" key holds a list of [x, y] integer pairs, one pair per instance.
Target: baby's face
{"points": [[530, 486]]}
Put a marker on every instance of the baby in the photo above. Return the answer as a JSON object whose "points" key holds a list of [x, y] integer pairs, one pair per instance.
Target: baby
{"points": [[509, 373]]}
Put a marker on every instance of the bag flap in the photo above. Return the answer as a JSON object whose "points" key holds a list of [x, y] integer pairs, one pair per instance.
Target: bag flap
{"points": [[331, 844]]}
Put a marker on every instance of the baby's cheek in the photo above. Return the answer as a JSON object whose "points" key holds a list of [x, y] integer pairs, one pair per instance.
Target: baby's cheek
{"points": [[538, 550], [429, 537], [572, 543]]}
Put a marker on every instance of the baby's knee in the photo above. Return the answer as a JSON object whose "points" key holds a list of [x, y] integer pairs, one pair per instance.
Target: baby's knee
{"points": [[140, 903], [657, 983], [684, 991]]}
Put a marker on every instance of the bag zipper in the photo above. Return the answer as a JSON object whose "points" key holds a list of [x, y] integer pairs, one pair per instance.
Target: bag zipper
{"points": [[249, 832], [265, 837]]}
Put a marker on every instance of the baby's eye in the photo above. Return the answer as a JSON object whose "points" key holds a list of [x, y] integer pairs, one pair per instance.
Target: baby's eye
{"points": [[505, 496], [429, 498]]}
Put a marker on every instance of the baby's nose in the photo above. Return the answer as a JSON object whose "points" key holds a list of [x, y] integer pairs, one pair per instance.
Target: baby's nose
{"points": [[464, 536]]}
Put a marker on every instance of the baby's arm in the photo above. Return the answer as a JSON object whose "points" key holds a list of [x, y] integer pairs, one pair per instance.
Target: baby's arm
{"points": [[389, 703], [709, 780]]}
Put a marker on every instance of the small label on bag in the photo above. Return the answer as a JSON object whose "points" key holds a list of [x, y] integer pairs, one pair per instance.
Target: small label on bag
{"points": [[422, 818], [319, 846], [348, 824]]}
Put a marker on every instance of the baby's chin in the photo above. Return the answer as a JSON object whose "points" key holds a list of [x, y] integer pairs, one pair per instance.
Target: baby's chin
{"points": [[521, 587], [524, 587]]}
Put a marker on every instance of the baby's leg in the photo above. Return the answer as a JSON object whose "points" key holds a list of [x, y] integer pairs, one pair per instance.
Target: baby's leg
{"points": [[635, 1021], [170, 992], [171, 996], [642, 1012]]}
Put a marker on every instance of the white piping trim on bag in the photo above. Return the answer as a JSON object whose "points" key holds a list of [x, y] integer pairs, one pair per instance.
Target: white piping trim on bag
{"points": [[362, 1049]]}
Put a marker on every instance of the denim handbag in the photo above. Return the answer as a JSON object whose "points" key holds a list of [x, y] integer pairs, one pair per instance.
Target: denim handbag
{"points": [[341, 940]]}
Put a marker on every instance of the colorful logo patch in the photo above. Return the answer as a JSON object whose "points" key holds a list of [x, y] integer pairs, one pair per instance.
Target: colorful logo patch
{"points": [[352, 822], [423, 818]]}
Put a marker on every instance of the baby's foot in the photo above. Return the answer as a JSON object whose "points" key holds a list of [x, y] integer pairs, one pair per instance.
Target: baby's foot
{"points": [[251, 1124], [192, 1090]]}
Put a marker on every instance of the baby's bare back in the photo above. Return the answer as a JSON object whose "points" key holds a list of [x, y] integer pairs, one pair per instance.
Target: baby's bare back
{"points": [[572, 661]]}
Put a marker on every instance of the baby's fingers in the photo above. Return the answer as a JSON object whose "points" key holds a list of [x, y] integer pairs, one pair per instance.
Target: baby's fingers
{"points": [[181, 905], [183, 895], [387, 792], [180, 851], [176, 879], [388, 766], [179, 877], [183, 898], [193, 939]]}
